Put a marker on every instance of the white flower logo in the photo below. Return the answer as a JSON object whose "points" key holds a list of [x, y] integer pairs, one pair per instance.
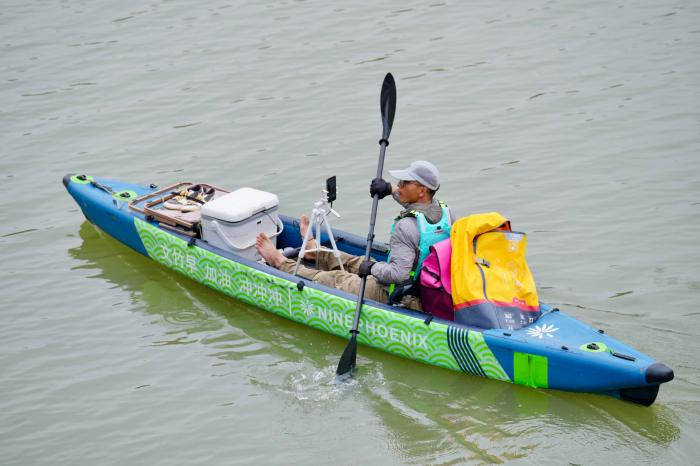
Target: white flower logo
{"points": [[539, 332], [308, 308]]}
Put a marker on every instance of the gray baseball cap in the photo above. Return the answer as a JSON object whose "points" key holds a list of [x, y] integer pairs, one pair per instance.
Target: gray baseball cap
{"points": [[421, 171]]}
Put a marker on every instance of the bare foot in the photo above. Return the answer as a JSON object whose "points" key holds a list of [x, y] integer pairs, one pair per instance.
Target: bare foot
{"points": [[311, 243], [268, 251]]}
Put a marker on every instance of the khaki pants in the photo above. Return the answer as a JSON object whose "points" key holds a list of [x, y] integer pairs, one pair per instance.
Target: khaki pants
{"points": [[329, 274]]}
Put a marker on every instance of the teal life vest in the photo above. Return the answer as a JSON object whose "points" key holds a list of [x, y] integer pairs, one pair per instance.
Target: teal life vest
{"points": [[429, 234]]}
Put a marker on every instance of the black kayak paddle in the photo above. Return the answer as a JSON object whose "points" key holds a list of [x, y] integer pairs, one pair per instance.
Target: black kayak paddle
{"points": [[387, 105]]}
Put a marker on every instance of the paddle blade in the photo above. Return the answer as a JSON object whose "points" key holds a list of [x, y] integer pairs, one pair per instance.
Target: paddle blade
{"points": [[387, 104], [347, 360]]}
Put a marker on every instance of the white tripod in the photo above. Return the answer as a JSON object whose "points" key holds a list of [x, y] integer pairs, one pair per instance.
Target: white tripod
{"points": [[319, 215]]}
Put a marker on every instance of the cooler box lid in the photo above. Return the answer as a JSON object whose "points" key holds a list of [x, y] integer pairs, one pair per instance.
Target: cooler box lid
{"points": [[240, 205]]}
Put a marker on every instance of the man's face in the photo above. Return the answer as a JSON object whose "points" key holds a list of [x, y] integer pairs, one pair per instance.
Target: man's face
{"points": [[411, 191]]}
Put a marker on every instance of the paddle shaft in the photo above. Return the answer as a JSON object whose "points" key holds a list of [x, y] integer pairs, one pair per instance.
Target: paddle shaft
{"points": [[370, 236], [387, 105]]}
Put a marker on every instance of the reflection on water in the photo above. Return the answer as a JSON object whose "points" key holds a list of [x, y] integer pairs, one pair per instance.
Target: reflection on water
{"points": [[430, 414], [497, 422]]}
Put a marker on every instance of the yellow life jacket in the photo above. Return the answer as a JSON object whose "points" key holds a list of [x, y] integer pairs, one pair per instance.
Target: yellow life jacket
{"points": [[492, 286]]}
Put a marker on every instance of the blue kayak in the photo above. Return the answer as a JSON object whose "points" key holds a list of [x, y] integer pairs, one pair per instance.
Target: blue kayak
{"points": [[555, 352]]}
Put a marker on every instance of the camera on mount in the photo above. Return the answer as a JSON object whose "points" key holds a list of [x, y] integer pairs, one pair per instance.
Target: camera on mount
{"points": [[331, 189], [319, 218]]}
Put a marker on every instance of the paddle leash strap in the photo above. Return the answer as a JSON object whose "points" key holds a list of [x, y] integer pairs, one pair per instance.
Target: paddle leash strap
{"points": [[387, 105]]}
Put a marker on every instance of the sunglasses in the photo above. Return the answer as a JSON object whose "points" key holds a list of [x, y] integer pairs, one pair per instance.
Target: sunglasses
{"points": [[403, 183]]}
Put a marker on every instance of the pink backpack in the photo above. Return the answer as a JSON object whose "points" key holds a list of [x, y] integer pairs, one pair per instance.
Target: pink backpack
{"points": [[436, 285]]}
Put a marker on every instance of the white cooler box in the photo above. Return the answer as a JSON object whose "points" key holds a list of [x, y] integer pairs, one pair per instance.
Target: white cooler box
{"points": [[232, 221]]}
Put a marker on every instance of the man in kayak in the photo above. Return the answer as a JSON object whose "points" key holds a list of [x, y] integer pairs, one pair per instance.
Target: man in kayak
{"points": [[423, 222]]}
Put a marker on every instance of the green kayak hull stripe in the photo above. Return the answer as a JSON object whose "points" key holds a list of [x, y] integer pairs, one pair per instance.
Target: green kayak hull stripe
{"points": [[396, 333], [530, 370]]}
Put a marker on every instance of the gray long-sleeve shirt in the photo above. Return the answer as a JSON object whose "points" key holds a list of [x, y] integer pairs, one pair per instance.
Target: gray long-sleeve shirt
{"points": [[404, 243]]}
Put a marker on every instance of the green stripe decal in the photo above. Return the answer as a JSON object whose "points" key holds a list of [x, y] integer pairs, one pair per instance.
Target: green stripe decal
{"points": [[530, 370], [473, 354], [489, 364], [393, 332]]}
